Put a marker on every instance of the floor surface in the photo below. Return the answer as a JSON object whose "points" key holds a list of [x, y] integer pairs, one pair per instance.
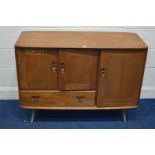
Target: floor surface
{"points": [[13, 117]]}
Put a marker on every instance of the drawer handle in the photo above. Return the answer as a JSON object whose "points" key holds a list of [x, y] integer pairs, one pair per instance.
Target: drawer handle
{"points": [[103, 73], [35, 98], [53, 67], [80, 98], [62, 68]]}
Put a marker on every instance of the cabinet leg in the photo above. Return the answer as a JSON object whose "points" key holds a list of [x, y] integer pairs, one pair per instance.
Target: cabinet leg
{"points": [[33, 115], [124, 114]]}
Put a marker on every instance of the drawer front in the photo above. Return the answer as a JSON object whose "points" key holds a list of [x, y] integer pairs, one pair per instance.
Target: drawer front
{"points": [[47, 99]]}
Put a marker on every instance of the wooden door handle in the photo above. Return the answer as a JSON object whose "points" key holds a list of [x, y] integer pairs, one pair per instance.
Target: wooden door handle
{"points": [[53, 67], [102, 73], [62, 68]]}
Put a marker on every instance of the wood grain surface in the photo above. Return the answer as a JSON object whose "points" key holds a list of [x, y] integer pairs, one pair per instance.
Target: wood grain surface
{"points": [[52, 39], [57, 98], [123, 74], [80, 70]]}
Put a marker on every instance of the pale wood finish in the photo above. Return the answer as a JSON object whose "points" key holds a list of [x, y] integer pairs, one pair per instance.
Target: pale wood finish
{"points": [[123, 73], [108, 40]]}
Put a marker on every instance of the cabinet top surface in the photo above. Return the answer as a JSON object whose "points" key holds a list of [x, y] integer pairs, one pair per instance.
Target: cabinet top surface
{"points": [[70, 39]]}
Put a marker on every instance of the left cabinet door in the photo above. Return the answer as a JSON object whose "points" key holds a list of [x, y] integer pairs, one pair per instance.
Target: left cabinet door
{"points": [[37, 69]]}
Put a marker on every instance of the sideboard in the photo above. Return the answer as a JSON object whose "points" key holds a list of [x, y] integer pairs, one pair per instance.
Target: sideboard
{"points": [[79, 70]]}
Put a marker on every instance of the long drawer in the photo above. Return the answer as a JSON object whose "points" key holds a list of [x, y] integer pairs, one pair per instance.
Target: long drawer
{"points": [[47, 99]]}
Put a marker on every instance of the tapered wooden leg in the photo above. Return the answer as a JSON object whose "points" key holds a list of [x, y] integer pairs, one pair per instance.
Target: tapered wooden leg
{"points": [[33, 115], [124, 114]]}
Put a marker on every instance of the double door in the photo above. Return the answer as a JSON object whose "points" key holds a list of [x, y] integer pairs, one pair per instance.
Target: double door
{"points": [[53, 69]]}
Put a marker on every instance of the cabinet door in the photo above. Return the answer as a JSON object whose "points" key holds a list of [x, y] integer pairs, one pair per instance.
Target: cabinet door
{"points": [[120, 77], [37, 69], [78, 69]]}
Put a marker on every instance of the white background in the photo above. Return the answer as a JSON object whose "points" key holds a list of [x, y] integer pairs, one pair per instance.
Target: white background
{"points": [[62, 13]]}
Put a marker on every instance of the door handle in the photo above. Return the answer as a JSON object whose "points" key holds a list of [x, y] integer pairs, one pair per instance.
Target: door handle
{"points": [[102, 73], [62, 68], [53, 67]]}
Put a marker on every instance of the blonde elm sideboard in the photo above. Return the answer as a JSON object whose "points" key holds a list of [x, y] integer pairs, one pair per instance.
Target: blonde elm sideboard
{"points": [[79, 70]]}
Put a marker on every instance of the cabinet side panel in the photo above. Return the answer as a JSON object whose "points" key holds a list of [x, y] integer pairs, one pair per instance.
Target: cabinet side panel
{"points": [[17, 50]]}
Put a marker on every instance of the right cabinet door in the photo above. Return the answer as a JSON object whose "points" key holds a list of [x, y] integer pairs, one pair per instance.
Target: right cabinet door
{"points": [[120, 77], [78, 69]]}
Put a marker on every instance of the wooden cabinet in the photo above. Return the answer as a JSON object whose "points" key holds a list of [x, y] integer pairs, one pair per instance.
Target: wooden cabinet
{"points": [[80, 70]]}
